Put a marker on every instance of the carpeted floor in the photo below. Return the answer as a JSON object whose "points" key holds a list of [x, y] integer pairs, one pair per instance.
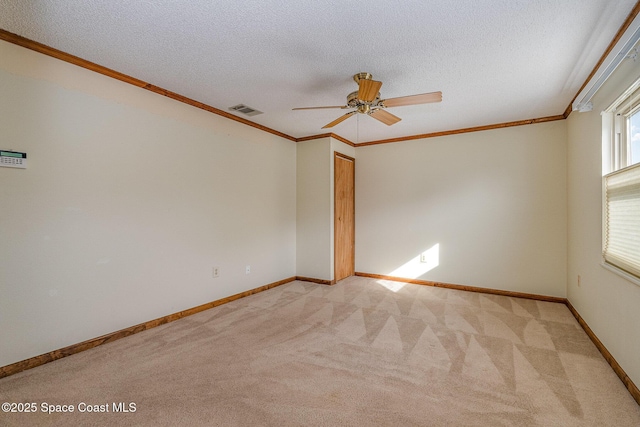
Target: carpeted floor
{"points": [[363, 352]]}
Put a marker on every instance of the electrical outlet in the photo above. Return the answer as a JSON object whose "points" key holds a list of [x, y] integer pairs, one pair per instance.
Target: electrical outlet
{"points": [[423, 257], [216, 272], [247, 269], [578, 280]]}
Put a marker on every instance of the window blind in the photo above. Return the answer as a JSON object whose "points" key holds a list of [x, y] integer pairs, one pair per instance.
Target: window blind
{"points": [[622, 219]]}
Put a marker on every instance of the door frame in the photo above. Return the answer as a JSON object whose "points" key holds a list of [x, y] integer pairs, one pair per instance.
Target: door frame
{"points": [[335, 216]]}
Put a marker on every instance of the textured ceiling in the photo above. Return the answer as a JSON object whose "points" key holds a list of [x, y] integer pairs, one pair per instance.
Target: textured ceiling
{"points": [[495, 61]]}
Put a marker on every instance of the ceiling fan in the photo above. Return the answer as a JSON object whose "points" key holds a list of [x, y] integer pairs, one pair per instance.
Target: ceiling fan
{"points": [[366, 100]]}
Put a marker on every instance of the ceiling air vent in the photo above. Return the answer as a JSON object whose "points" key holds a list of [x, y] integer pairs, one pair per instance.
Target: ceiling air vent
{"points": [[241, 108]]}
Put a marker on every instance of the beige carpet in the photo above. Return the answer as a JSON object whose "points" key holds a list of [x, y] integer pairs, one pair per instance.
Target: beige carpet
{"points": [[353, 354]]}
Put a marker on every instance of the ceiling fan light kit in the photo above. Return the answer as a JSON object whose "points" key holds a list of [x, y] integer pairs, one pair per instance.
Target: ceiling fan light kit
{"points": [[366, 100]]}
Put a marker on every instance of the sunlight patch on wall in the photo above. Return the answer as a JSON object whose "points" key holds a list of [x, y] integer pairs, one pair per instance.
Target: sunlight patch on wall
{"points": [[414, 268]]}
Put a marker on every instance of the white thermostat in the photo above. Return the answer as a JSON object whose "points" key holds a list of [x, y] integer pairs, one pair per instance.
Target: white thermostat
{"points": [[13, 159]]}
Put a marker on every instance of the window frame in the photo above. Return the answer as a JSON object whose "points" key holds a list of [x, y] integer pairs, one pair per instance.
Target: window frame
{"points": [[616, 156]]}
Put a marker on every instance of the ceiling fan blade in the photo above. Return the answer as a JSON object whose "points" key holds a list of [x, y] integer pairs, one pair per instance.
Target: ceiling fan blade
{"points": [[423, 98], [368, 90], [319, 108], [339, 120], [385, 117]]}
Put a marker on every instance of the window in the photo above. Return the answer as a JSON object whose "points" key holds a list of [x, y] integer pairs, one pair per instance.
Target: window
{"points": [[622, 219], [621, 185], [634, 138]]}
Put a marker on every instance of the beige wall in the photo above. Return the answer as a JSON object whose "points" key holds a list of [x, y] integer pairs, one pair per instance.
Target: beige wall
{"points": [[489, 208], [315, 206], [313, 221], [608, 303], [129, 200]]}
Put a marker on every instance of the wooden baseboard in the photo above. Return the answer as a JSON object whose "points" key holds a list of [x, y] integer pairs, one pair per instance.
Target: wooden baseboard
{"points": [[466, 288], [633, 389], [32, 362], [320, 281]]}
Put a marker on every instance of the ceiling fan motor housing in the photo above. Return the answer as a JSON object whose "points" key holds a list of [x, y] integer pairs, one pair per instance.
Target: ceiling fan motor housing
{"points": [[362, 106]]}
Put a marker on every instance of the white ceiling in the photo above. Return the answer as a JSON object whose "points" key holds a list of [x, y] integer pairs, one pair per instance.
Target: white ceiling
{"points": [[495, 61]]}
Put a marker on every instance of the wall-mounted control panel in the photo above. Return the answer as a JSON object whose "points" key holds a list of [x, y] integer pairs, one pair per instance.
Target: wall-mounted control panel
{"points": [[13, 159]]}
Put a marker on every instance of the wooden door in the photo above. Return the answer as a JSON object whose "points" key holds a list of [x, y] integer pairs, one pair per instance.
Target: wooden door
{"points": [[344, 216]]}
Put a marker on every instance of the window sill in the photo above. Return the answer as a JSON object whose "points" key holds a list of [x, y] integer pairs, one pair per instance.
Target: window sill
{"points": [[621, 273]]}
